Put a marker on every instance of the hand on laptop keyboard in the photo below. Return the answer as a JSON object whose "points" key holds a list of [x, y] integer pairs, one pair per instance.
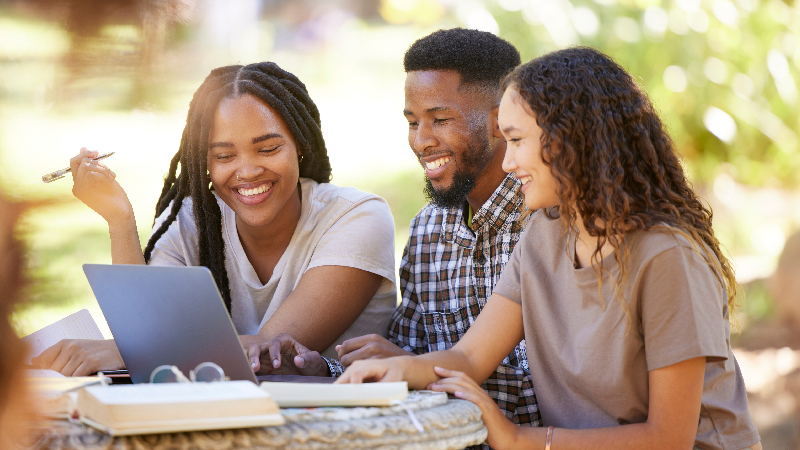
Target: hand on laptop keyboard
{"points": [[282, 356]]}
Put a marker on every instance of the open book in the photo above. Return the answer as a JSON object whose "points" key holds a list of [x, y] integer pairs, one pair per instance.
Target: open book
{"points": [[171, 407], [307, 395]]}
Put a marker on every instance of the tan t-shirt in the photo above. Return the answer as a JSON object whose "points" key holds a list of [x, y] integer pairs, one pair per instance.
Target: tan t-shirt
{"points": [[338, 226], [590, 370]]}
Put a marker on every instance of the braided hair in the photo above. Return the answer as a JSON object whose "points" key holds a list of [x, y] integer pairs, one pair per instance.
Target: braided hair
{"points": [[279, 89]]}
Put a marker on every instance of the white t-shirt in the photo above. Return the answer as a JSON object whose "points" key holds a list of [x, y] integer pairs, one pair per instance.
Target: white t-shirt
{"points": [[338, 226]]}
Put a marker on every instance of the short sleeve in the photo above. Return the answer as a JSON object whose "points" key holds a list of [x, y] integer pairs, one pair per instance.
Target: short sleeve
{"points": [[683, 309], [171, 248], [509, 284], [362, 238]]}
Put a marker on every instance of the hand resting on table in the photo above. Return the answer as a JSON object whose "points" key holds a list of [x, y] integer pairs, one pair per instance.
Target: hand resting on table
{"points": [[80, 357]]}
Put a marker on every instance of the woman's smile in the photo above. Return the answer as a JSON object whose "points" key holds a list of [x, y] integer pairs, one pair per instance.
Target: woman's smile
{"points": [[254, 193]]}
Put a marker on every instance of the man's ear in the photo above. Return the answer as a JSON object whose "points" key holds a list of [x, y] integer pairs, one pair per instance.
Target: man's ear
{"points": [[495, 124]]}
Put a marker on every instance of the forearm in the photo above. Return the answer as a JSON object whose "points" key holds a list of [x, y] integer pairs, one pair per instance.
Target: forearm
{"points": [[633, 436], [325, 303], [125, 245], [418, 370]]}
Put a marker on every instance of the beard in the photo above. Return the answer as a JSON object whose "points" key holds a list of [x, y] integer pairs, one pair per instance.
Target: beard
{"points": [[473, 161]]}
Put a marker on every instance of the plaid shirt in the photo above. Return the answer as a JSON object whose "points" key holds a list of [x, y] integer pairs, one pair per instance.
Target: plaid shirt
{"points": [[448, 272]]}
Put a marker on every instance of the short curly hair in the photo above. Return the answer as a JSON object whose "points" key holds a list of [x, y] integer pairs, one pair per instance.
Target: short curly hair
{"points": [[478, 56]]}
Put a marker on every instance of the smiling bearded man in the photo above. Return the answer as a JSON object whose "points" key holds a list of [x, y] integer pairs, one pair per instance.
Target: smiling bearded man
{"points": [[474, 160], [460, 241]]}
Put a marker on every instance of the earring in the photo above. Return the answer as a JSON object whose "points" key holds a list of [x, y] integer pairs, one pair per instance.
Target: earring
{"points": [[237, 177], [299, 160]]}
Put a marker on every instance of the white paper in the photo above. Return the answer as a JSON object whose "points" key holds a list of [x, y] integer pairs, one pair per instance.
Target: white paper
{"points": [[79, 325], [42, 373]]}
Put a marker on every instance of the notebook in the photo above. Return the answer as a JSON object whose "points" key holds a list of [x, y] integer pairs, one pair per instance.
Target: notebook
{"points": [[79, 325], [167, 315]]}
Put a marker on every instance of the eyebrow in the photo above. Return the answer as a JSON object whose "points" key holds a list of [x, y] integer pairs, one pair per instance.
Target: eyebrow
{"points": [[509, 129], [265, 137], [429, 110], [255, 140]]}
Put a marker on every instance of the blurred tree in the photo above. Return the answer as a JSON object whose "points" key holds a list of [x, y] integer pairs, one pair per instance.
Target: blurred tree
{"points": [[108, 39], [722, 74]]}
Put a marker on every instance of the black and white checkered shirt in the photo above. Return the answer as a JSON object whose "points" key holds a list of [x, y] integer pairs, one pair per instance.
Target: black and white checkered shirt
{"points": [[447, 274]]}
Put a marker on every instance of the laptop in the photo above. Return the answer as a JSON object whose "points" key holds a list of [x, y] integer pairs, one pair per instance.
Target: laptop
{"points": [[167, 315]]}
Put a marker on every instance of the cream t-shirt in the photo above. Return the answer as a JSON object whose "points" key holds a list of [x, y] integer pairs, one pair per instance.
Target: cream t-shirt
{"points": [[589, 368], [338, 226]]}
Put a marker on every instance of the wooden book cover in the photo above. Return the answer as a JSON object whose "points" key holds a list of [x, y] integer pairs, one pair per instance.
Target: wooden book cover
{"points": [[172, 407], [309, 395]]}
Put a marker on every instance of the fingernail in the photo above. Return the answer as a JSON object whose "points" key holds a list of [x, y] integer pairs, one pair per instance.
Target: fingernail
{"points": [[338, 347], [253, 365], [276, 363]]}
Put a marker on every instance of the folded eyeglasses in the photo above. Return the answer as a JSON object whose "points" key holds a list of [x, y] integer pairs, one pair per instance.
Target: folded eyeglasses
{"points": [[204, 372]]}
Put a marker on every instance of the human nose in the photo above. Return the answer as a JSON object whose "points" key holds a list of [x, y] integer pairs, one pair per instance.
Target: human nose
{"points": [[509, 160], [423, 138], [249, 170]]}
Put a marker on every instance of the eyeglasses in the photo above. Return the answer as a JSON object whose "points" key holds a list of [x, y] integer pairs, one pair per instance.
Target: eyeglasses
{"points": [[204, 372]]}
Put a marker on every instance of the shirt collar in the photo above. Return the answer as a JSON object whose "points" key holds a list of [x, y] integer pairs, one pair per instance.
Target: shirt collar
{"points": [[502, 208]]}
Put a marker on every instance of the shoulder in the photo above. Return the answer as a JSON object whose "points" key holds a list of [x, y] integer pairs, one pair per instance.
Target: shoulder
{"points": [[659, 243], [666, 252], [327, 192], [184, 219], [329, 200], [430, 216]]}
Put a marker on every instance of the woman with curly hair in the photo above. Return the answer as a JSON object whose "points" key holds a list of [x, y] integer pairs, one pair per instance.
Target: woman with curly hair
{"points": [[618, 284], [248, 196]]}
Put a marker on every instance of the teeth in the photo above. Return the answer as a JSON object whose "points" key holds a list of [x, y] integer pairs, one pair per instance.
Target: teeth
{"points": [[524, 180], [254, 191], [433, 165]]}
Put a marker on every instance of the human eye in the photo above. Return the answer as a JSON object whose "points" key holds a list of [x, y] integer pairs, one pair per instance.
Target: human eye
{"points": [[413, 124], [222, 156], [440, 120], [269, 149]]}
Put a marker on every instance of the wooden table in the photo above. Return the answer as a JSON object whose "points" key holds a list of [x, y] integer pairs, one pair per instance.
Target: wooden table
{"points": [[447, 423]]}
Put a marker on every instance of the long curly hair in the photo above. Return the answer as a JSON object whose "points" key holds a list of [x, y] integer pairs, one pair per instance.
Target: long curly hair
{"points": [[278, 88], [612, 158]]}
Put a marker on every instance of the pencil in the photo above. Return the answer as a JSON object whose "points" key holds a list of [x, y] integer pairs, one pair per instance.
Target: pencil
{"points": [[58, 174]]}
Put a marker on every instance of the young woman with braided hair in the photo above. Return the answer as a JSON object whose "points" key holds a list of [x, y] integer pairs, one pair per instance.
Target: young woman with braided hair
{"points": [[618, 285], [247, 195]]}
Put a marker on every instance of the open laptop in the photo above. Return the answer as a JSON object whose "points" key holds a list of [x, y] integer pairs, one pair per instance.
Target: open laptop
{"points": [[167, 315]]}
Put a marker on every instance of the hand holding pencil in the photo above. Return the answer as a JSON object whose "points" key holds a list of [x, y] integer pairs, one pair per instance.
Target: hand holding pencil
{"points": [[95, 185], [59, 174]]}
